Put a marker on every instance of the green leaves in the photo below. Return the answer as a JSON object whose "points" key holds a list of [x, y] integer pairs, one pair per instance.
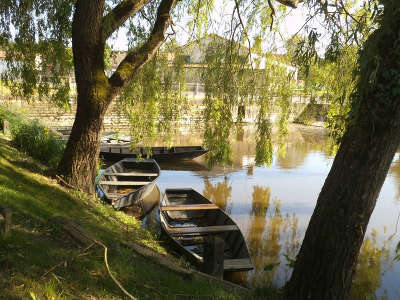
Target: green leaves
{"points": [[154, 100], [271, 266], [397, 252], [36, 36]]}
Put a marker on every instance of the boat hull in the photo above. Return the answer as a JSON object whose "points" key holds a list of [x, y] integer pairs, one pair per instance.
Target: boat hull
{"points": [[187, 224], [128, 181], [115, 152]]}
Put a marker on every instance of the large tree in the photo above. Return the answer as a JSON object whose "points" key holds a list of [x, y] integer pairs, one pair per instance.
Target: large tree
{"points": [[37, 34], [40, 32], [90, 30], [326, 261]]}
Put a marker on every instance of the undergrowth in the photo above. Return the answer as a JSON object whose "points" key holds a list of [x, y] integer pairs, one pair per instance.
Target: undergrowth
{"points": [[34, 138]]}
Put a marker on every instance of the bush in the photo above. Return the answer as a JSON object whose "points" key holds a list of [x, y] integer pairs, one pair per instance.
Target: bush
{"points": [[34, 138]]}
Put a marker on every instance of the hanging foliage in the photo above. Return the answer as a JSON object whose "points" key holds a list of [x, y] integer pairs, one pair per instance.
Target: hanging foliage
{"points": [[154, 100], [233, 80]]}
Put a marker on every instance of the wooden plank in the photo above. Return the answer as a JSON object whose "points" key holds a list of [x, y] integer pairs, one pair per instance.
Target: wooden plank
{"points": [[125, 183], [213, 256], [131, 174], [208, 229], [5, 221], [117, 195], [238, 264], [189, 207], [176, 195]]}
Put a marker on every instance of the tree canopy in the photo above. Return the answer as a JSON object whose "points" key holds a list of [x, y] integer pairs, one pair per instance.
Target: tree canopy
{"points": [[38, 35]]}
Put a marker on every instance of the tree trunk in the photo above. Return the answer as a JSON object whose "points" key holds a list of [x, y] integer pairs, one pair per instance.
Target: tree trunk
{"points": [[327, 259], [79, 163], [90, 31]]}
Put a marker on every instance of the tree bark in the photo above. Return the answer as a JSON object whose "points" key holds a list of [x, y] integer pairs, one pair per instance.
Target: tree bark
{"points": [[95, 91], [327, 259], [79, 162]]}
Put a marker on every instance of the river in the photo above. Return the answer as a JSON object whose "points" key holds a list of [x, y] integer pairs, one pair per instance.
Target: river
{"points": [[273, 205]]}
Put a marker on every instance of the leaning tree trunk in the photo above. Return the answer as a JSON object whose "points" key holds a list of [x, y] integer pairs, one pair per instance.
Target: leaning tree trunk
{"points": [[79, 162], [90, 30], [327, 259]]}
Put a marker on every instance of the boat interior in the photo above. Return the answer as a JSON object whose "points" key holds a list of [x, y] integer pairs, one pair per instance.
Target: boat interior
{"points": [[126, 149], [190, 218], [127, 176]]}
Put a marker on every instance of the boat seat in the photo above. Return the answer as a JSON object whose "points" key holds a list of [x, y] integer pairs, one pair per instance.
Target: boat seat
{"points": [[189, 207], [124, 183], [131, 174], [207, 229], [238, 264]]}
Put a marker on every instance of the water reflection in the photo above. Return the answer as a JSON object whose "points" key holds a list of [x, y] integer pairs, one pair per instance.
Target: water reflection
{"points": [[395, 171], [257, 244], [272, 206], [218, 193], [293, 151], [372, 261], [270, 237]]}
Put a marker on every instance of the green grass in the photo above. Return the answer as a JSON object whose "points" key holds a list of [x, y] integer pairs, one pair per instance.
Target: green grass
{"points": [[313, 112], [33, 138], [39, 261]]}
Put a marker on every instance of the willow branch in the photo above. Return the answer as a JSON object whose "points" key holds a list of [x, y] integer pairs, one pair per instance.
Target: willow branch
{"points": [[290, 3], [272, 14], [244, 30], [120, 14], [133, 61], [347, 13]]}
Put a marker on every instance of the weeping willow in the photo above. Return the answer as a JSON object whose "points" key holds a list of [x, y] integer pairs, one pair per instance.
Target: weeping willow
{"points": [[154, 101], [234, 79]]}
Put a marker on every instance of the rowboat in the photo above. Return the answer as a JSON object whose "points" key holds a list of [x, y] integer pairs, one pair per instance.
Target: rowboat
{"points": [[115, 152], [128, 181], [144, 206], [187, 218]]}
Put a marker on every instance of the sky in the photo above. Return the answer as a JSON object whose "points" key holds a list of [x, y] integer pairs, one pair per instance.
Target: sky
{"points": [[293, 22]]}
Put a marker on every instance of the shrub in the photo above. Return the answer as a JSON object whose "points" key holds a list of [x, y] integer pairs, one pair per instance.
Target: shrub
{"points": [[34, 138]]}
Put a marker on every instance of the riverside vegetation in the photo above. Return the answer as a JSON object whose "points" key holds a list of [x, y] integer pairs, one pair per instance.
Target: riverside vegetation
{"points": [[40, 261]]}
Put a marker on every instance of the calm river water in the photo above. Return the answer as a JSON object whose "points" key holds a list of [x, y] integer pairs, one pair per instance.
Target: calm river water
{"points": [[273, 205]]}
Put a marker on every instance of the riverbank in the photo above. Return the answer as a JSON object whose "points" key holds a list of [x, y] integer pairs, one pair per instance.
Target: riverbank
{"points": [[39, 260]]}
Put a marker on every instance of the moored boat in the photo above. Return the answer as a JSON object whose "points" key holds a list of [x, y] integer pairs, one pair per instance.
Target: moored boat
{"points": [[128, 181], [188, 218], [115, 152], [144, 206]]}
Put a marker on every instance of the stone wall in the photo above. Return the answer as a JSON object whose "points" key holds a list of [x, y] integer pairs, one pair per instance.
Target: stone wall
{"points": [[62, 120]]}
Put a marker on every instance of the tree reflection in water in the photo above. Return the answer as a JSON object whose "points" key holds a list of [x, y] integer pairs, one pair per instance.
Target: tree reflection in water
{"points": [[271, 234], [219, 193], [272, 237], [372, 261], [395, 171], [268, 232]]}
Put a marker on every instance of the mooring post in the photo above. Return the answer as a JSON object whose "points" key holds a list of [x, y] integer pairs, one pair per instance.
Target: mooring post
{"points": [[6, 127], [213, 259], [5, 221]]}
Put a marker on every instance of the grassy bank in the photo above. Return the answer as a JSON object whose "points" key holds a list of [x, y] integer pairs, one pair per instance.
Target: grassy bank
{"points": [[312, 113], [32, 137], [40, 261]]}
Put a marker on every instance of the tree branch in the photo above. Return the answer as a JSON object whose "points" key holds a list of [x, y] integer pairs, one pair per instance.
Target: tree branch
{"points": [[120, 14], [133, 61], [272, 14], [290, 3]]}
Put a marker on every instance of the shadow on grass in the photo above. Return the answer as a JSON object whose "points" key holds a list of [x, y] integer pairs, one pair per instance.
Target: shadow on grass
{"points": [[37, 248]]}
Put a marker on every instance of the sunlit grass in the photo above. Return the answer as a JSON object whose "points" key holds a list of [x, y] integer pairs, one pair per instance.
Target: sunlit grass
{"points": [[39, 261]]}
